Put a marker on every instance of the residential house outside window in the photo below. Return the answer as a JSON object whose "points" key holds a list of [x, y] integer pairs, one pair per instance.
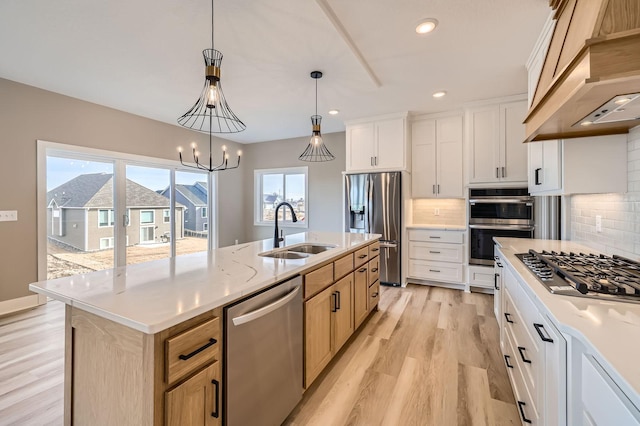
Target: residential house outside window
{"points": [[166, 216], [204, 212], [147, 217], [273, 186]]}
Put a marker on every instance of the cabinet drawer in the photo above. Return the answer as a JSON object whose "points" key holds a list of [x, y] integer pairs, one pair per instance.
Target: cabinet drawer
{"points": [[374, 249], [436, 251], [374, 295], [435, 271], [481, 276], [374, 270], [191, 349], [428, 235], [343, 266], [197, 398], [527, 406], [318, 280], [361, 256]]}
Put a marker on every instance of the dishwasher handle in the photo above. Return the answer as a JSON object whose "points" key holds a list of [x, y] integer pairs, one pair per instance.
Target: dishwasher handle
{"points": [[253, 315]]}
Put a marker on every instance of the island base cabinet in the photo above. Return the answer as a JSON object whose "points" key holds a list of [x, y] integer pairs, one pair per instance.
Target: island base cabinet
{"points": [[360, 296], [343, 311], [197, 400], [318, 334], [115, 375]]}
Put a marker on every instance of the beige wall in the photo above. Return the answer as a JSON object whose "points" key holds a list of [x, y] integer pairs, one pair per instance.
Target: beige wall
{"points": [[28, 114], [324, 186]]}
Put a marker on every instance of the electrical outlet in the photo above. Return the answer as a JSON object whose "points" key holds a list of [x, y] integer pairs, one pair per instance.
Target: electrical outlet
{"points": [[9, 216], [436, 212], [598, 223]]}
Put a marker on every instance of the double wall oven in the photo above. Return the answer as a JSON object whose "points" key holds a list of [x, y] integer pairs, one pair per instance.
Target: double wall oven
{"points": [[497, 212]]}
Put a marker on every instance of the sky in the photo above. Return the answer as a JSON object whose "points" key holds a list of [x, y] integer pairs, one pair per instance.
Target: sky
{"points": [[61, 170]]}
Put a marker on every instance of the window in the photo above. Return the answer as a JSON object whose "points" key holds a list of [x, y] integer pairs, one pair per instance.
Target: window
{"points": [[273, 186], [205, 226], [204, 212], [105, 218], [147, 217], [106, 243], [110, 200]]}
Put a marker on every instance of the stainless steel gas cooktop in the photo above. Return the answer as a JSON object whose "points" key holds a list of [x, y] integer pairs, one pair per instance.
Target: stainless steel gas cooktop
{"points": [[586, 275]]}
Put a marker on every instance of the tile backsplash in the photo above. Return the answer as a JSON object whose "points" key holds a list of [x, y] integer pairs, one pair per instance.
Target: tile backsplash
{"points": [[451, 211], [620, 213]]}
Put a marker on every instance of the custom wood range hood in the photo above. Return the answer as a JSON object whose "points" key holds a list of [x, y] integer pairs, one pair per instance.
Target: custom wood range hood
{"points": [[590, 81]]}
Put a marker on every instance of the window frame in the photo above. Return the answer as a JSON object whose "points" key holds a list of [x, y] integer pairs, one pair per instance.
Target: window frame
{"points": [[258, 195], [153, 216], [203, 212], [167, 218], [119, 160], [110, 218]]}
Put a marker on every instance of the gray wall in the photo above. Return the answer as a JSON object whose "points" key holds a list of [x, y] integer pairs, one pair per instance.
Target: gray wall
{"points": [[28, 114], [324, 186]]}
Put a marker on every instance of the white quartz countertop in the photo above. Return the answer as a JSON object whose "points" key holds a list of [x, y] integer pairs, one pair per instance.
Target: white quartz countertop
{"points": [[153, 296], [438, 227], [611, 329]]}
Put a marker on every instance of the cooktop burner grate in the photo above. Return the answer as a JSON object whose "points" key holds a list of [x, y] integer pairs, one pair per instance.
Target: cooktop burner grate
{"points": [[588, 275]]}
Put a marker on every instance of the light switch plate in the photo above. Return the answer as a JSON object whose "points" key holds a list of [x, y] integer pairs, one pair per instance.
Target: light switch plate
{"points": [[598, 223], [8, 216]]}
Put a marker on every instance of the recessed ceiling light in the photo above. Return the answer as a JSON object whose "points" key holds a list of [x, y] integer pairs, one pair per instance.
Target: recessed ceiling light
{"points": [[622, 101], [426, 26], [333, 111], [586, 123], [439, 94]]}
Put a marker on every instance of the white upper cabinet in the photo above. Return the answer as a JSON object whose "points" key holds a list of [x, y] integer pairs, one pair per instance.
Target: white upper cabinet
{"points": [[377, 144], [496, 134], [437, 157]]}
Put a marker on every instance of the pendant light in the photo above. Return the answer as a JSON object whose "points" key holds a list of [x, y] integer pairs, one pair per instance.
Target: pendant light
{"points": [[316, 150], [211, 113]]}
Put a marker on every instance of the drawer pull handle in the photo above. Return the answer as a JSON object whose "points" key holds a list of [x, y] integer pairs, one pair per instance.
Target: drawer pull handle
{"points": [[524, 418], [434, 270], [434, 237], [374, 295], [521, 349], [334, 308], [216, 395], [375, 249], [338, 306], [507, 316], [362, 256], [542, 336], [211, 342], [495, 281], [362, 270], [506, 360], [374, 269], [434, 252]]}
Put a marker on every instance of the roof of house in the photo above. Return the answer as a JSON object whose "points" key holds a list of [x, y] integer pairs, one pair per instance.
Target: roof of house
{"points": [[96, 190], [196, 194]]}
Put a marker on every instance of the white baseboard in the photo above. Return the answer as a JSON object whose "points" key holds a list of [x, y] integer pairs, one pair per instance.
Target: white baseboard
{"points": [[21, 303]]}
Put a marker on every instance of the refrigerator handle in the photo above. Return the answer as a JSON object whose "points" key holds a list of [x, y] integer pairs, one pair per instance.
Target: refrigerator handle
{"points": [[370, 204]]}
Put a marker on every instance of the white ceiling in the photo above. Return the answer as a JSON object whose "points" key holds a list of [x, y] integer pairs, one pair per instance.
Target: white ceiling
{"points": [[144, 56]]}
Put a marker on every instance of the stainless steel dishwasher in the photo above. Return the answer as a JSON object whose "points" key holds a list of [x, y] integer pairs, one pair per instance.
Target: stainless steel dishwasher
{"points": [[263, 356]]}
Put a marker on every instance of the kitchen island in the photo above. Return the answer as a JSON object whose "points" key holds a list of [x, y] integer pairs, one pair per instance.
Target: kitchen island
{"points": [[134, 351], [571, 359]]}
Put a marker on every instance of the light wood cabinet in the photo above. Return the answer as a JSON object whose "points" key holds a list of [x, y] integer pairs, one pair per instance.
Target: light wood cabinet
{"points": [[360, 294], [377, 144], [332, 314], [342, 311], [496, 135], [318, 346], [437, 158], [197, 400]]}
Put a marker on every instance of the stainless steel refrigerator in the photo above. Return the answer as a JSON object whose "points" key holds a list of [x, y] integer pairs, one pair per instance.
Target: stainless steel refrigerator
{"points": [[374, 205]]}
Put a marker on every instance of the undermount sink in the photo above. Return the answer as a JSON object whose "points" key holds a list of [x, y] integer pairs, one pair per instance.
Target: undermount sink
{"points": [[311, 248], [285, 254], [299, 251]]}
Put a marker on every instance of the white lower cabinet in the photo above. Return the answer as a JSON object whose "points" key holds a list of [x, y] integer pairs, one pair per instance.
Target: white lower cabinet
{"points": [[535, 354], [436, 255]]}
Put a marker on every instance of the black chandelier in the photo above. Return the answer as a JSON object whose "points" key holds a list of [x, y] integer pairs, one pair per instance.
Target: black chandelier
{"points": [[211, 112], [316, 150]]}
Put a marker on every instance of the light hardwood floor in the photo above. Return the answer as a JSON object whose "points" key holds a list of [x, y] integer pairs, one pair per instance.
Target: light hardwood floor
{"points": [[429, 356]]}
